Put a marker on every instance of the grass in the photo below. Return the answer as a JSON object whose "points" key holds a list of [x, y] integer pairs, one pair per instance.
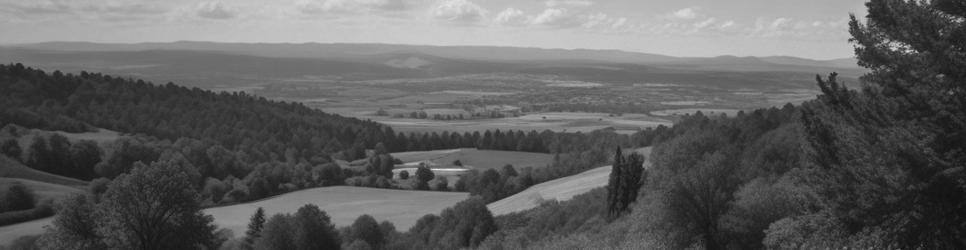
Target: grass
{"points": [[10, 168], [42, 190], [554, 121], [12, 232], [344, 204], [477, 159], [560, 189]]}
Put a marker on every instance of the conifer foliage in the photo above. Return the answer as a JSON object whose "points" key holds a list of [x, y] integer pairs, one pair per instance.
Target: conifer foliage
{"points": [[890, 159], [625, 181]]}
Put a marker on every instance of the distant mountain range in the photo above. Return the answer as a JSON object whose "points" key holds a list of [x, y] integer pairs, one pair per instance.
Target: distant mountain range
{"points": [[225, 64], [483, 53]]}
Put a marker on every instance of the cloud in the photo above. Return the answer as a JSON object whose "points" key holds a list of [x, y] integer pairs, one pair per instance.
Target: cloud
{"points": [[458, 11], [313, 7], [705, 23], [511, 16], [37, 8], [686, 13], [565, 18], [788, 28], [619, 23], [556, 17], [83, 9], [568, 3], [216, 10]]}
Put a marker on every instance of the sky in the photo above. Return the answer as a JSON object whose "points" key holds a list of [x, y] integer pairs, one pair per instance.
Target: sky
{"points": [[815, 29]]}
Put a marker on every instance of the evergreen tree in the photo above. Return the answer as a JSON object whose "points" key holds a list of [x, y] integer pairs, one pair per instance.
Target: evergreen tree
{"points": [[624, 182], [889, 161], [255, 226]]}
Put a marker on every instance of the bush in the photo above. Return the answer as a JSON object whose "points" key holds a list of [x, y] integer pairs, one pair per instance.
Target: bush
{"points": [[366, 229], [441, 184], [18, 197], [14, 217], [11, 149], [24, 243], [404, 175]]}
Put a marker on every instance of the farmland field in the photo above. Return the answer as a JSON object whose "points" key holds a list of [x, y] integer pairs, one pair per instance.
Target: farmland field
{"points": [[474, 158], [344, 204], [560, 189], [42, 190], [12, 169]]}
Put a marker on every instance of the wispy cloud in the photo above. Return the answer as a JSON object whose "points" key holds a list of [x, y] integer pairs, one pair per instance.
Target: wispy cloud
{"points": [[315, 7], [84, 9], [216, 10], [458, 11], [568, 3], [512, 17]]}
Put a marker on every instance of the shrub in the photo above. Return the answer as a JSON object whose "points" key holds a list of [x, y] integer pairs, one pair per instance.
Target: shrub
{"points": [[14, 217], [18, 197]]}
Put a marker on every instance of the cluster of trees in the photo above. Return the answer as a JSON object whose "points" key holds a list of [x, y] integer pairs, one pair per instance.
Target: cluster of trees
{"points": [[308, 228], [57, 155], [464, 225], [151, 207], [709, 186]]}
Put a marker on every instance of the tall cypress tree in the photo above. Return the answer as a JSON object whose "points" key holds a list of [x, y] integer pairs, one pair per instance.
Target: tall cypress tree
{"points": [[624, 182]]}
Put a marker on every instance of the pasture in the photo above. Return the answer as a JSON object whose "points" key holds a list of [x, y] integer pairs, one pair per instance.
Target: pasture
{"points": [[42, 190], [10, 168], [561, 189], [553, 121], [474, 158], [343, 204]]}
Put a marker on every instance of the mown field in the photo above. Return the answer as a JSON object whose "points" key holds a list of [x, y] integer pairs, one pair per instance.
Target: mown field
{"points": [[43, 190], [553, 121], [344, 204], [10, 168], [560, 189], [475, 159]]}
